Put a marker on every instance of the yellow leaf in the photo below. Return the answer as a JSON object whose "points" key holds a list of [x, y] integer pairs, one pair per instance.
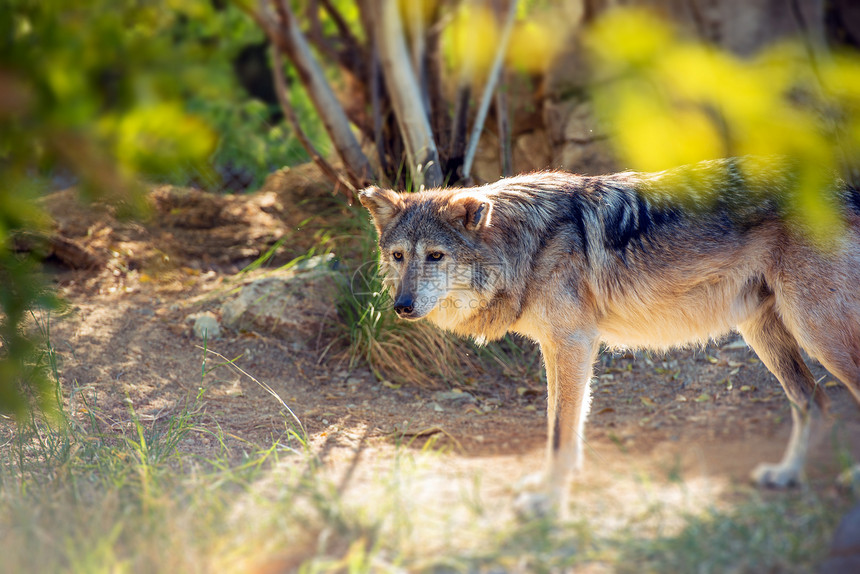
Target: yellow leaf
{"points": [[534, 45], [470, 40]]}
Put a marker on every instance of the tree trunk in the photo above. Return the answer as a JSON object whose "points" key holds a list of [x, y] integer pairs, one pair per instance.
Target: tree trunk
{"points": [[290, 113], [289, 38], [486, 98], [406, 98]]}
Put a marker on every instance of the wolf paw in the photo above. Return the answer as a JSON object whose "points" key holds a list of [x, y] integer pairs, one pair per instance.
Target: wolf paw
{"points": [[776, 476], [534, 499], [533, 482], [533, 505]]}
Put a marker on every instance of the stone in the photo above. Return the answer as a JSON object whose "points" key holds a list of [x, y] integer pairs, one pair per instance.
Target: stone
{"points": [[292, 305], [206, 326]]}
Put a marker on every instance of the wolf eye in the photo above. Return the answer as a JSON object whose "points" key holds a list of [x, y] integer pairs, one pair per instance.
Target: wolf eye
{"points": [[398, 256], [435, 256]]}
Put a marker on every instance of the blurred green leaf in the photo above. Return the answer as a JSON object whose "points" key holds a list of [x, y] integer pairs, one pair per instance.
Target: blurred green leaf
{"points": [[107, 92]]}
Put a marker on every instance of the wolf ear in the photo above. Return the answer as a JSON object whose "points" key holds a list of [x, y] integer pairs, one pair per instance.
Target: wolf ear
{"points": [[383, 205], [472, 212]]}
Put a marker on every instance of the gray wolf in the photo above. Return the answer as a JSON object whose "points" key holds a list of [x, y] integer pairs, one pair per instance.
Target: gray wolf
{"points": [[633, 260]]}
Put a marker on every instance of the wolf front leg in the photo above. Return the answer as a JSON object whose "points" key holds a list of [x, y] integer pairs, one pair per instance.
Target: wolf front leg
{"points": [[569, 360]]}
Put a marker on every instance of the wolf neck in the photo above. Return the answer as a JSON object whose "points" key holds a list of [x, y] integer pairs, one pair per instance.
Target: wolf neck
{"points": [[538, 221]]}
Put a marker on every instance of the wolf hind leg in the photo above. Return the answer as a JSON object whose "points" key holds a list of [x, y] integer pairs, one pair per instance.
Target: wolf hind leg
{"points": [[836, 345], [777, 348]]}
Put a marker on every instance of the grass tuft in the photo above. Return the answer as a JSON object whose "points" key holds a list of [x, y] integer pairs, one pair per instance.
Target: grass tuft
{"points": [[413, 353]]}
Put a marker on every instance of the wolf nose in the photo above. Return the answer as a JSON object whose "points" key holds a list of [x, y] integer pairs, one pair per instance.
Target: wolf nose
{"points": [[404, 306]]}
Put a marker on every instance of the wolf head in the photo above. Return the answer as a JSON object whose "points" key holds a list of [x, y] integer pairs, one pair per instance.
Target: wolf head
{"points": [[431, 252]]}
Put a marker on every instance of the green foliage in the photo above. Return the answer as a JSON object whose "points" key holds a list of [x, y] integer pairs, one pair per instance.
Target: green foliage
{"points": [[781, 535], [110, 93], [87, 88], [670, 101], [471, 35], [249, 135]]}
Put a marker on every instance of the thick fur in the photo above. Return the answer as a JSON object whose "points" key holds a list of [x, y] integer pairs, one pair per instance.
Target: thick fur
{"points": [[633, 260]]}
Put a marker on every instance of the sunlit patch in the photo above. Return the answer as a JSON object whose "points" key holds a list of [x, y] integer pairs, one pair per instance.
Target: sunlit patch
{"points": [[471, 39]]}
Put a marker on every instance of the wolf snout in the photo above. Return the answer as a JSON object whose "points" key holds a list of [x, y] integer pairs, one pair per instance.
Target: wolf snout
{"points": [[404, 306]]}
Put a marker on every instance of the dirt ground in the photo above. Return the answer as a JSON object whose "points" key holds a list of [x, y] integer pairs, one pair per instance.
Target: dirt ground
{"points": [[125, 338]]}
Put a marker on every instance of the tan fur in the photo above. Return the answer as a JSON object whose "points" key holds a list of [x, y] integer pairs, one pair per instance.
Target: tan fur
{"points": [[632, 260]]}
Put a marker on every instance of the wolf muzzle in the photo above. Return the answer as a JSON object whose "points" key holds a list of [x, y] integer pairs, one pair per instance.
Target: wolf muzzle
{"points": [[404, 305]]}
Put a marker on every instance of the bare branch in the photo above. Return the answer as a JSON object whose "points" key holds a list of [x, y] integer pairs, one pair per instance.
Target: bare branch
{"points": [[440, 119], [342, 27], [315, 33], [290, 113], [405, 97], [376, 107], [504, 124], [288, 37], [459, 130], [350, 56], [492, 80], [418, 31]]}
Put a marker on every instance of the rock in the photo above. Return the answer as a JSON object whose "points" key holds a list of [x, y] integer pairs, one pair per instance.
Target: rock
{"points": [[291, 305], [577, 141], [453, 396], [206, 326]]}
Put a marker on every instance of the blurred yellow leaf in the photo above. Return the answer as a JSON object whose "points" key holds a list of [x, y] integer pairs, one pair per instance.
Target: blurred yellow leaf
{"points": [[534, 44], [669, 102], [629, 37], [470, 39]]}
